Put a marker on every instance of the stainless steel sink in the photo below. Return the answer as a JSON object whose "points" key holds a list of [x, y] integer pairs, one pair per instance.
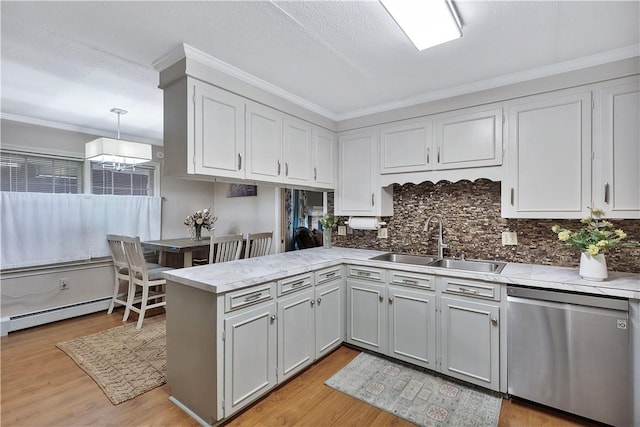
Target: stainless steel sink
{"points": [[470, 265], [405, 259], [432, 261]]}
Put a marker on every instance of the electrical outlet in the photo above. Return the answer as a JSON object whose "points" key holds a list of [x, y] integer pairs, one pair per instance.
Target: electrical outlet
{"points": [[64, 284], [382, 233], [509, 238], [342, 230]]}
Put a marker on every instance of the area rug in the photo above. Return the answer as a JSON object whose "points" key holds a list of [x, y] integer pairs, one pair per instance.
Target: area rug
{"points": [[415, 395], [123, 361]]}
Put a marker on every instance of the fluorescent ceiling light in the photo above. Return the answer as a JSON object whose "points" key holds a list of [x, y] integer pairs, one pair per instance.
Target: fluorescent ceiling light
{"points": [[427, 23]]}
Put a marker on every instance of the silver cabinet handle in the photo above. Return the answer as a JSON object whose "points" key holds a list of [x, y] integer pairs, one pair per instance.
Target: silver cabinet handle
{"points": [[273, 318], [381, 298], [409, 281], [438, 155], [428, 150], [468, 291], [606, 192], [319, 300], [312, 303], [252, 297], [298, 283], [286, 169], [494, 321], [512, 196], [239, 161], [364, 273], [328, 275], [315, 174], [373, 199], [279, 167], [390, 300]]}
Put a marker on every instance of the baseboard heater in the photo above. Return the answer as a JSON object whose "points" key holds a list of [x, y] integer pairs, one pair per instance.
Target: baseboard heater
{"points": [[36, 318]]}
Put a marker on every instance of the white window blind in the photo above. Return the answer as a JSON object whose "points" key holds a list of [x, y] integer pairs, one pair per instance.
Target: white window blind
{"points": [[27, 173], [131, 182]]}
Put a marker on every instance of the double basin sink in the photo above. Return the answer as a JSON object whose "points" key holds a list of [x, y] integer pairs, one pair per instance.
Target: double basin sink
{"points": [[448, 263]]}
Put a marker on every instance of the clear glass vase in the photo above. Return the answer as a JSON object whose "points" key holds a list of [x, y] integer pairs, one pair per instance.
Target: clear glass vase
{"points": [[326, 238]]}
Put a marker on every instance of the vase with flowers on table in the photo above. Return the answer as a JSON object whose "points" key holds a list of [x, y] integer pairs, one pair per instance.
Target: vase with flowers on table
{"points": [[199, 220], [594, 239]]}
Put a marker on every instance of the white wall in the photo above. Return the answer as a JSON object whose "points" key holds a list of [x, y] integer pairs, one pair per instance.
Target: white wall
{"points": [[242, 215], [183, 197]]}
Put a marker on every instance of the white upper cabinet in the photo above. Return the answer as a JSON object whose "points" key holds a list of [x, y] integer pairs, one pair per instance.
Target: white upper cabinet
{"points": [[468, 138], [297, 151], [359, 192], [324, 158], [406, 147], [616, 185], [219, 131], [549, 156], [264, 143]]}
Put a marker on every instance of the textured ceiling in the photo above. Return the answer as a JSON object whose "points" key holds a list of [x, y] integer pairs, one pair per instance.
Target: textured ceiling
{"points": [[70, 62]]}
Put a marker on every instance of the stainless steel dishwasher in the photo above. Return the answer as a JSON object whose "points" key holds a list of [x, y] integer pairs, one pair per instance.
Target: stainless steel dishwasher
{"points": [[570, 351]]}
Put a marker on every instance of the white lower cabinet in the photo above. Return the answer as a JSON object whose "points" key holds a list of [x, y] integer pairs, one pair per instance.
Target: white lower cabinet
{"points": [[249, 355], [296, 332], [329, 316], [412, 326], [367, 315]]}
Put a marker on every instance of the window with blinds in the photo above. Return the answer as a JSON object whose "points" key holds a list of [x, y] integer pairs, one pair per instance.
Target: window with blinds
{"points": [[130, 182], [35, 174]]}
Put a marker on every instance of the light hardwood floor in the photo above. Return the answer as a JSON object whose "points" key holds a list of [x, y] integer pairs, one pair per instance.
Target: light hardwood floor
{"points": [[42, 386]]}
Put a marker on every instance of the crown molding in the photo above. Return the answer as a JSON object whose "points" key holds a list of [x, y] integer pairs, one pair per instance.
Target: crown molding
{"points": [[74, 128], [535, 73]]}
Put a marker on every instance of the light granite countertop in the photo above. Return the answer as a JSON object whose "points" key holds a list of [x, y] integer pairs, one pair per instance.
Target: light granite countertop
{"points": [[229, 276]]}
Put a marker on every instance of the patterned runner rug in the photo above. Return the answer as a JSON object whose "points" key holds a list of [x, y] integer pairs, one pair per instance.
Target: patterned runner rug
{"points": [[416, 395], [123, 361]]}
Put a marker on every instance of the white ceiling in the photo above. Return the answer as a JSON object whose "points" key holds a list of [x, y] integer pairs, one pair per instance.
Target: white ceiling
{"points": [[71, 62]]}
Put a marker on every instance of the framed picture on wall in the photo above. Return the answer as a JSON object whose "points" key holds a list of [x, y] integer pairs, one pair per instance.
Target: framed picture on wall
{"points": [[242, 190]]}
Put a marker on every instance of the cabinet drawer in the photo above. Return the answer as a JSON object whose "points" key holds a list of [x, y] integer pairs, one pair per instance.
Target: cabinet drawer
{"points": [[367, 273], [472, 288], [413, 280], [328, 275], [294, 283], [245, 297]]}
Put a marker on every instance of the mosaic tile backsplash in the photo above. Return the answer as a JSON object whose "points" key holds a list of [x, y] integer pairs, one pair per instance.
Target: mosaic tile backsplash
{"points": [[473, 226]]}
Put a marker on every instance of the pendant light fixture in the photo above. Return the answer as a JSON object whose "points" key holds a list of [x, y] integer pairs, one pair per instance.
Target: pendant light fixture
{"points": [[117, 154]]}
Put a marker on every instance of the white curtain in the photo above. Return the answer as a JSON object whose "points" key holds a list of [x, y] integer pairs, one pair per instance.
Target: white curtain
{"points": [[40, 228]]}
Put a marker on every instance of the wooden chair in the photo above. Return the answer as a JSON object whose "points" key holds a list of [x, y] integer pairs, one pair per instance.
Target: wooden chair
{"points": [[121, 269], [225, 248], [258, 244], [151, 282]]}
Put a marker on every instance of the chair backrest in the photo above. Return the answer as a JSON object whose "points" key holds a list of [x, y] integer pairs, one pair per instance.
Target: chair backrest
{"points": [[120, 261], [225, 248], [135, 256], [258, 244]]}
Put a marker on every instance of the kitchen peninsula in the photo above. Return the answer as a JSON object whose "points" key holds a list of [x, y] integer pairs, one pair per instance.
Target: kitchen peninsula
{"points": [[235, 330]]}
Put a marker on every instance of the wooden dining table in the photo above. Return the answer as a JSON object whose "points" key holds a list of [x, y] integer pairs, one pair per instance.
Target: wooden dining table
{"points": [[183, 246]]}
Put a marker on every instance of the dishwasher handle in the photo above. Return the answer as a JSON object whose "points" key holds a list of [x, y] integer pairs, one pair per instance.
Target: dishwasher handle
{"points": [[611, 303]]}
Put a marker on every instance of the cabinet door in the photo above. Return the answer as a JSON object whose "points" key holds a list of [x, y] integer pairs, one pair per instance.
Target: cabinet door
{"points": [[549, 147], [406, 147], [324, 158], [412, 326], [296, 333], [469, 138], [359, 192], [250, 356], [617, 191], [366, 315], [330, 309], [470, 341], [264, 143], [219, 132], [297, 151]]}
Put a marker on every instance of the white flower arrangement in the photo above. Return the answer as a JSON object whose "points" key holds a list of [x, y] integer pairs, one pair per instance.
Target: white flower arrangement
{"points": [[201, 218]]}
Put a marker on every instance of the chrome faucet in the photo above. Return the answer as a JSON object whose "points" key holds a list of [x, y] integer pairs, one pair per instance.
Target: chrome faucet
{"points": [[441, 245]]}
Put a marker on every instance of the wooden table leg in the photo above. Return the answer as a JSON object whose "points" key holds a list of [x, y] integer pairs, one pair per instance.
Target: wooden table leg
{"points": [[162, 258]]}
